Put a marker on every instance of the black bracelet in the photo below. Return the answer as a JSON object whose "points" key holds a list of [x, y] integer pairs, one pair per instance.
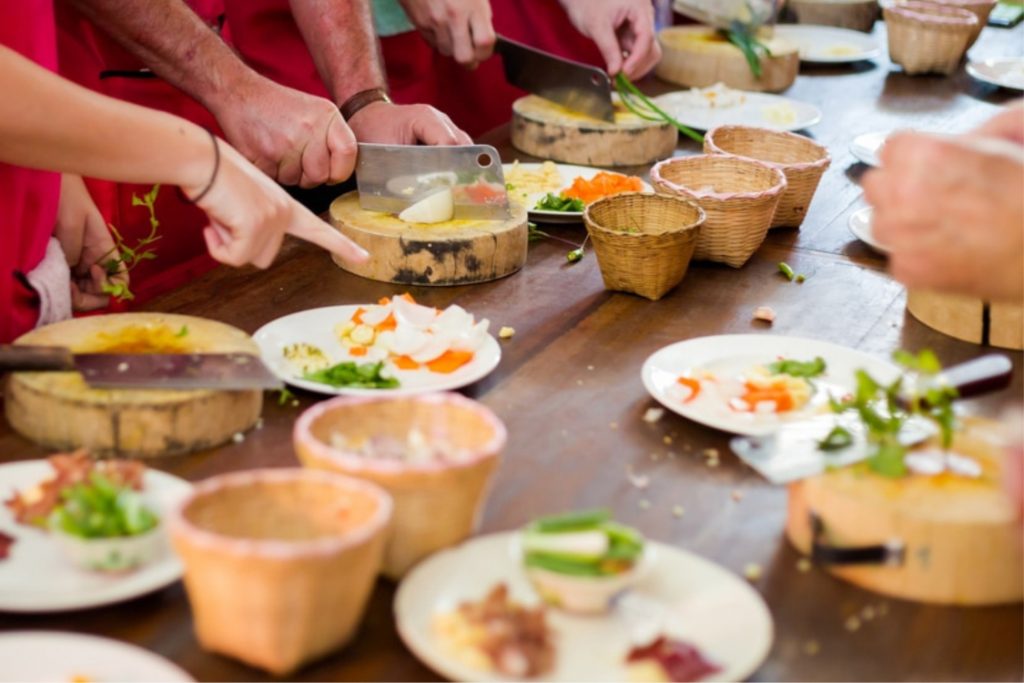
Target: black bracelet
{"points": [[213, 176]]}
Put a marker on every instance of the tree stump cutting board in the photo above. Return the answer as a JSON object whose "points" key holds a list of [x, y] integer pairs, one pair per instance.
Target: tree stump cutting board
{"points": [[698, 57], [456, 252], [546, 130], [959, 536], [991, 324], [58, 410]]}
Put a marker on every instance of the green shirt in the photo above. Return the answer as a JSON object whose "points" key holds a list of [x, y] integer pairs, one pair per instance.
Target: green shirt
{"points": [[389, 18]]}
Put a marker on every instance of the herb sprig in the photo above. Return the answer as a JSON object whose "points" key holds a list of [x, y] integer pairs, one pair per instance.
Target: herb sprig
{"points": [[742, 36], [121, 259], [642, 106]]}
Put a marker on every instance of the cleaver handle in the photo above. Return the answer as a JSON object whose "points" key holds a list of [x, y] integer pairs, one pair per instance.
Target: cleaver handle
{"points": [[18, 357]]}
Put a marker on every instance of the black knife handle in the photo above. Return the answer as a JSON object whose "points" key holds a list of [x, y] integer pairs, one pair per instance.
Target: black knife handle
{"points": [[18, 357]]}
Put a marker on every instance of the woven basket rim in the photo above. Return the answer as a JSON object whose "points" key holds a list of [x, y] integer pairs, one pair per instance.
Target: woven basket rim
{"points": [[777, 188], [920, 13], [591, 223], [280, 549], [822, 163], [303, 432]]}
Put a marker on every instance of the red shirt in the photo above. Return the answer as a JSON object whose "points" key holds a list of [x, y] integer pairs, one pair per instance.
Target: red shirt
{"points": [[28, 198]]}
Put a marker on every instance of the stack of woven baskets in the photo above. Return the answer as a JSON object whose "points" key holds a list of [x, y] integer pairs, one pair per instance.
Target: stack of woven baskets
{"points": [[933, 36]]}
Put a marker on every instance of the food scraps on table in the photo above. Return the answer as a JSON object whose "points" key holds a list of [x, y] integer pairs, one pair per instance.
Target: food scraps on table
{"points": [[522, 183], [668, 659], [499, 635]]}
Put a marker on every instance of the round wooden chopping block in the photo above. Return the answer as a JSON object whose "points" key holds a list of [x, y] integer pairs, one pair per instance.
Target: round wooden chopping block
{"points": [[697, 57], [546, 130], [961, 538], [58, 410], [969, 319], [456, 252]]}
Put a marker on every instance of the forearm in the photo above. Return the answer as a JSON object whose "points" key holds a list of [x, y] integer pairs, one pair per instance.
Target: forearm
{"points": [[56, 125], [341, 38], [172, 41]]}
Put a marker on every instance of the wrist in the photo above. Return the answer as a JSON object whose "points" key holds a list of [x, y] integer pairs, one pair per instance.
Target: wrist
{"points": [[199, 164], [359, 101]]}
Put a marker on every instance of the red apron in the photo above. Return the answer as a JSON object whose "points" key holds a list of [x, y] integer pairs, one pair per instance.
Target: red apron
{"points": [[267, 38], [89, 57], [28, 198]]}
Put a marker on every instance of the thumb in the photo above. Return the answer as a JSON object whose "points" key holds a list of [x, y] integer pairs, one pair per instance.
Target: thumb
{"points": [[308, 227], [341, 146]]}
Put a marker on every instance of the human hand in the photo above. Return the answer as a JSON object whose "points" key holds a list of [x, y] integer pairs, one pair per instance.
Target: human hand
{"points": [[460, 29], [293, 137], [250, 215], [1006, 125], [406, 124], [950, 214], [87, 244], [623, 31]]}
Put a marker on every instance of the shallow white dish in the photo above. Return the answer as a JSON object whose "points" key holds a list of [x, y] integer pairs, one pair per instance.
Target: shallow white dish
{"points": [[829, 44], [38, 577], [725, 354], [316, 326], [683, 595], [860, 225], [569, 173], [1006, 73], [757, 109], [55, 656], [866, 147]]}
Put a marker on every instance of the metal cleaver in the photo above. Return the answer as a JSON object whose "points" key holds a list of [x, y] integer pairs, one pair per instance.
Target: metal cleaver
{"points": [[792, 453], [225, 371], [576, 86], [393, 177]]}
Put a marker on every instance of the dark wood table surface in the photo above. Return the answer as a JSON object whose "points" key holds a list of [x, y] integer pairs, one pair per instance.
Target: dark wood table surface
{"points": [[568, 388]]}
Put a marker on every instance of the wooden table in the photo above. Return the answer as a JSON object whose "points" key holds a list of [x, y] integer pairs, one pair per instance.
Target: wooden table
{"points": [[569, 389]]}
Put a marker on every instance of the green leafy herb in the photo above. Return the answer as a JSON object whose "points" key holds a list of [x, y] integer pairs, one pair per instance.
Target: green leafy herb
{"points": [[100, 509], [284, 396], [554, 202], [642, 106], [183, 332], [838, 439], [798, 368], [357, 375], [123, 258], [742, 36]]}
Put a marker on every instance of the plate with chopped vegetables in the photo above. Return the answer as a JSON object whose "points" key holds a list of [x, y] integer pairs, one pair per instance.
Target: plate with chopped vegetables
{"points": [[59, 520], [558, 193], [478, 612], [395, 346], [752, 384]]}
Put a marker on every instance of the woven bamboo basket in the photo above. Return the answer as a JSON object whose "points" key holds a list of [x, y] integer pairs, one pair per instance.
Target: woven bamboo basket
{"points": [[980, 8], [802, 160], [279, 564], [859, 15], [437, 501], [739, 198], [643, 242], [928, 38]]}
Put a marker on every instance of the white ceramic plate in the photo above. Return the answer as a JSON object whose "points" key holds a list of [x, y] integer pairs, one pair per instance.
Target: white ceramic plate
{"points": [[37, 577], [860, 226], [316, 326], [689, 598], [757, 109], [1006, 73], [735, 353], [54, 656], [829, 44], [866, 147], [569, 173]]}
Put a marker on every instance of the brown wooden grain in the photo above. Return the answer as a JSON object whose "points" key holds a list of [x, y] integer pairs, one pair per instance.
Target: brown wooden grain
{"points": [[569, 390]]}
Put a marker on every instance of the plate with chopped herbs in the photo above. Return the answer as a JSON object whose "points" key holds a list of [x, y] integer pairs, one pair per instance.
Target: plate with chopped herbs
{"points": [[395, 346], [59, 513], [752, 384], [558, 193]]}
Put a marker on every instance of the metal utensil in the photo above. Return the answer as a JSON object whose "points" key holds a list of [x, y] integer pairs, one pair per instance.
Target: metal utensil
{"points": [[225, 371], [391, 178], [574, 85]]}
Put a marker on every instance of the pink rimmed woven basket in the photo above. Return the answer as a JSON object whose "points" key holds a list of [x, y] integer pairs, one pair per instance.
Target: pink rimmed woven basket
{"points": [[643, 242], [928, 38], [739, 198], [802, 160], [980, 8]]}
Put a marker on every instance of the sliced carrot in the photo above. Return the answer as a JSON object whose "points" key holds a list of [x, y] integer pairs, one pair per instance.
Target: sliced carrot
{"points": [[357, 351], [450, 361], [389, 323], [780, 396], [383, 301], [693, 385], [601, 185], [408, 297], [405, 363], [357, 317]]}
